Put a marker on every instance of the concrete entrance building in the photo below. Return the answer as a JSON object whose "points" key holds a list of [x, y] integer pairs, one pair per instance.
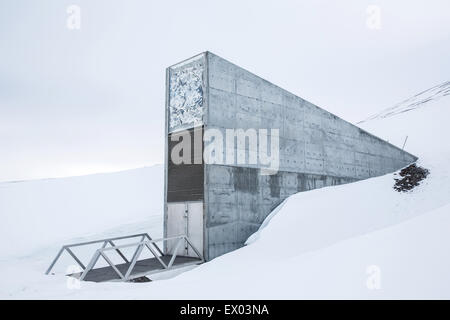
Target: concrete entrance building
{"points": [[219, 204]]}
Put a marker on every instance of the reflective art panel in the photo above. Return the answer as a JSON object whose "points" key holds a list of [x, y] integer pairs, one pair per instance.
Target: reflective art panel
{"points": [[186, 95]]}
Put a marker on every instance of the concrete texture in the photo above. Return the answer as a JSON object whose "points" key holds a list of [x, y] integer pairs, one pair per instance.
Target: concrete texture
{"points": [[317, 149]]}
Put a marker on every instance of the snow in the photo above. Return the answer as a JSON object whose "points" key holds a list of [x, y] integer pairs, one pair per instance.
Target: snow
{"points": [[431, 95], [360, 240], [39, 213]]}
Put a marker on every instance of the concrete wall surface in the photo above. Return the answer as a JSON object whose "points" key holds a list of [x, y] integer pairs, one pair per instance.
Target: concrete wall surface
{"points": [[317, 149]]}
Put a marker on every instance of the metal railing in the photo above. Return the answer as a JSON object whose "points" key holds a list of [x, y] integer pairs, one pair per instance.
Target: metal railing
{"points": [[150, 244]]}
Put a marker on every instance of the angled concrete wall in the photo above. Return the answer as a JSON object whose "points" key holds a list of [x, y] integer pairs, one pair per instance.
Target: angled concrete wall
{"points": [[317, 149]]}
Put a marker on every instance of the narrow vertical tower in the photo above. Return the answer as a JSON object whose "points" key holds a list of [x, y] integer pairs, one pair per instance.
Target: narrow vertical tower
{"points": [[184, 175]]}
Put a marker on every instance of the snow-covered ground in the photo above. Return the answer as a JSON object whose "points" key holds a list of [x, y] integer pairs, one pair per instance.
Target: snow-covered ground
{"points": [[35, 214], [430, 95], [360, 240]]}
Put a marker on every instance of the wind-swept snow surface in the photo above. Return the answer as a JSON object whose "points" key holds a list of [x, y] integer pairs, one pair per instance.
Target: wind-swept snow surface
{"points": [[419, 100], [38, 213], [360, 240]]}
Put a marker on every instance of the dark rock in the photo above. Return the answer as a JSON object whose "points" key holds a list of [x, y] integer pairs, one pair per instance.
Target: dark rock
{"points": [[140, 279], [410, 177]]}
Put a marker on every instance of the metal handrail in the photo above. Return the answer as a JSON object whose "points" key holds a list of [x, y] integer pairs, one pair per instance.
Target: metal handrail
{"points": [[150, 244], [107, 239], [105, 242], [142, 242]]}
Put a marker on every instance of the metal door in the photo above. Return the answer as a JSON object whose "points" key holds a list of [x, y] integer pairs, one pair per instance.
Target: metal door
{"points": [[185, 218]]}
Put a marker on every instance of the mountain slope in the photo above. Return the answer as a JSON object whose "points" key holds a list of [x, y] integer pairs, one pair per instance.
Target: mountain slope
{"points": [[419, 100]]}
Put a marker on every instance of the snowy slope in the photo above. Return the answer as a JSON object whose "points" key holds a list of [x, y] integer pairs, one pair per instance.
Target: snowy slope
{"points": [[418, 101], [412, 258], [320, 244], [38, 213]]}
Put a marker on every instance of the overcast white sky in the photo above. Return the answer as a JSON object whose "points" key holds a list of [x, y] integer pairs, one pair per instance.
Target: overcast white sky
{"points": [[82, 101]]}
